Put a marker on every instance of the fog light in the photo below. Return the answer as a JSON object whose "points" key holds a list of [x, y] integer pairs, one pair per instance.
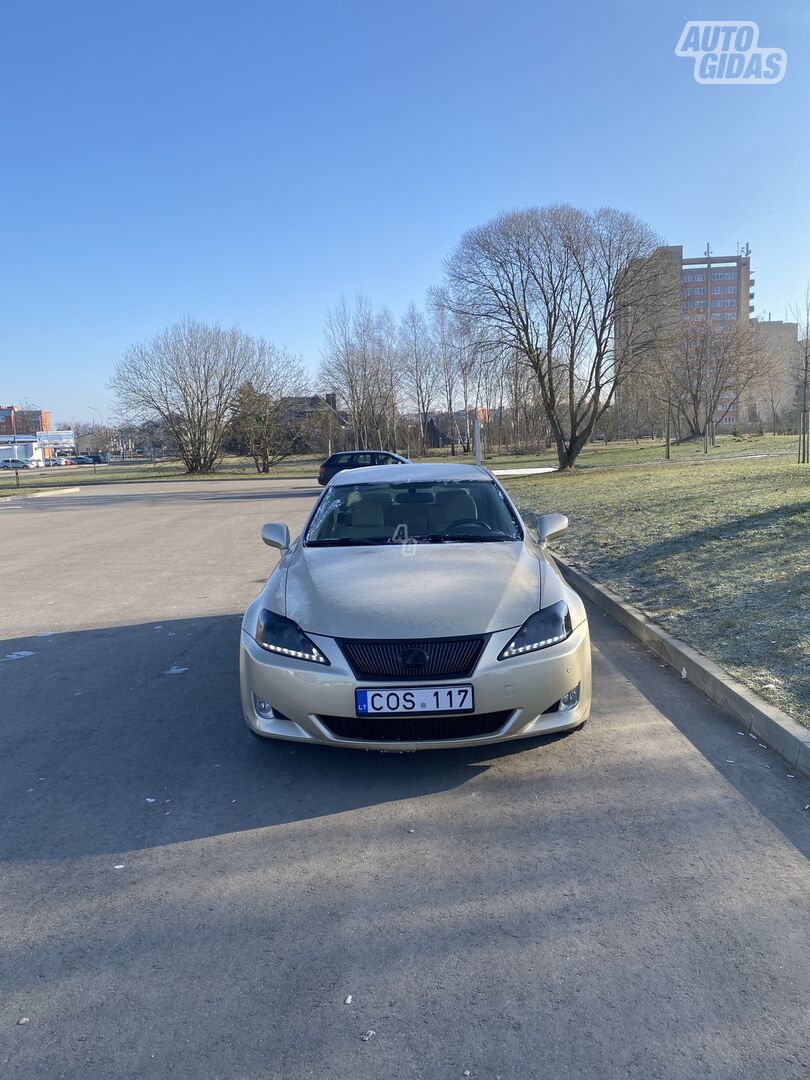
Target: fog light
{"points": [[571, 699], [263, 708]]}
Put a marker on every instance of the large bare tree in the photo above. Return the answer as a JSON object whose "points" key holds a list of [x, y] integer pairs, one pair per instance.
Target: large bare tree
{"points": [[420, 366], [188, 377], [265, 424], [444, 328], [360, 366], [554, 285]]}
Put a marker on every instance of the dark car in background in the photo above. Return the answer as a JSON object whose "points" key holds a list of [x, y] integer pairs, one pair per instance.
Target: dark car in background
{"points": [[357, 459]]}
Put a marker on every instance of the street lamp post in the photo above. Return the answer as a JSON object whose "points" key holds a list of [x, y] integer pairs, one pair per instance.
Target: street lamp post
{"points": [[92, 408]]}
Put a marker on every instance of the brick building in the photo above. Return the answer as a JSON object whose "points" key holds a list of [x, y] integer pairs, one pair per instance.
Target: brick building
{"points": [[16, 421]]}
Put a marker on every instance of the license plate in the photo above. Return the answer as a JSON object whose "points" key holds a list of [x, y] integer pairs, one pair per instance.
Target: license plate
{"points": [[402, 700]]}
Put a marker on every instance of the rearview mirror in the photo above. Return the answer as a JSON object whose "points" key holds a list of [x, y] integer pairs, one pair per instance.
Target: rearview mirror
{"points": [[550, 526], [276, 535]]}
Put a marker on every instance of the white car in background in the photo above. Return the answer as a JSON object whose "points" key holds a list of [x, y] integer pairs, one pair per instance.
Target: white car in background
{"points": [[415, 611]]}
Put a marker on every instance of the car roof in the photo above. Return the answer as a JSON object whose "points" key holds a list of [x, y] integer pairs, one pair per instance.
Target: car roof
{"points": [[357, 453], [410, 473]]}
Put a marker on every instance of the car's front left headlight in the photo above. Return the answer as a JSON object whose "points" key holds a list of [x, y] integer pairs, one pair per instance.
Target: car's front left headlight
{"points": [[280, 635], [548, 626]]}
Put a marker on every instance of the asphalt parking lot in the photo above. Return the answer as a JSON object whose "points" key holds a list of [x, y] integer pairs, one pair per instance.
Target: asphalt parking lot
{"points": [[180, 900]]}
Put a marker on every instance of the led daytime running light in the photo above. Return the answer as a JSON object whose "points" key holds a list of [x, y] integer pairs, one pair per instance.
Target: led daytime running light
{"points": [[546, 627], [277, 634], [512, 651], [316, 656]]}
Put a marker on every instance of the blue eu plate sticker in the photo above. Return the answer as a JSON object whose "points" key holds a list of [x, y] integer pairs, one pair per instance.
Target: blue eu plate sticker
{"points": [[362, 700]]}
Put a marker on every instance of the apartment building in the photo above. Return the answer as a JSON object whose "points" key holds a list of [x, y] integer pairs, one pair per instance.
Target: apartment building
{"points": [[773, 397], [16, 421], [719, 287], [722, 287]]}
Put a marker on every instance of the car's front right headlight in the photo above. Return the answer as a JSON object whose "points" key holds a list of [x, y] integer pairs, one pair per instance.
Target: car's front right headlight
{"points": [[546, 627], [280, 635]]}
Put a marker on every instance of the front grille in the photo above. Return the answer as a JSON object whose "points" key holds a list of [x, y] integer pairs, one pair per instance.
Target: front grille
{"points": [[443, 658], [414, 728]]}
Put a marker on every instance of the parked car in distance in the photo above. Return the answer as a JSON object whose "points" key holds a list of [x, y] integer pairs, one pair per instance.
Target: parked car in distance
{"points": [[97, 459], [356, 459], [83, 459], [16, 463]]}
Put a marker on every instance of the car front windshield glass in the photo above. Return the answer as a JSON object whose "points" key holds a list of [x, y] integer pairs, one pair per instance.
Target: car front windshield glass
{"points": [[441, 511]]}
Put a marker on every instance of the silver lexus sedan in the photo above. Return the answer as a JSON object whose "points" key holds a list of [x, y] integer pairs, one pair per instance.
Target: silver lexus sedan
{"points": [[415, 611]]}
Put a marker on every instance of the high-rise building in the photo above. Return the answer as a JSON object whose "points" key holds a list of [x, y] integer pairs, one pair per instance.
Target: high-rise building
{"points": [[716, 287], [719, 286]]}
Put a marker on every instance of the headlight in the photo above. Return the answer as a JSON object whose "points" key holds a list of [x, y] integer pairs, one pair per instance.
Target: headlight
{"points": [[280, 635], [546, 627]]}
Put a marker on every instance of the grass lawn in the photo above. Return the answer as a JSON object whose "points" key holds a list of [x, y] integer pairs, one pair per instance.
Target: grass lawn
{"points": [[597, 455], [602, 455], [716, 551]]}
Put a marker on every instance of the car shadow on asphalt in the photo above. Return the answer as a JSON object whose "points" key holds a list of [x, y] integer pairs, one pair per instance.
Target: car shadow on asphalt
{"points": [[132, 736], [760, 775]]}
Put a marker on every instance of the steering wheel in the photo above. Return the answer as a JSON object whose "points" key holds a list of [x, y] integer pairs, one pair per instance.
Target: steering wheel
{"points": [[467, 521]]}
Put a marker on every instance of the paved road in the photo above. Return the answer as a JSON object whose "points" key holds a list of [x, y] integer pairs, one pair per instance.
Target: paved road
{"points": [[180, 901]]}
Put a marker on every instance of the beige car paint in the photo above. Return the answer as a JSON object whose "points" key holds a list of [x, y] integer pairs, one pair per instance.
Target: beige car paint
{"points": [[407, 591]]}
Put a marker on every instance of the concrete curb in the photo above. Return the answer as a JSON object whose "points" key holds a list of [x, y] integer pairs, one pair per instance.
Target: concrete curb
{"points": [[772, 726], [39, 494]]}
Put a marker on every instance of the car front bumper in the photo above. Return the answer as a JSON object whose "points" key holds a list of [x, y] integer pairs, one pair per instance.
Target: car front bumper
{"points": [[520, 689]]}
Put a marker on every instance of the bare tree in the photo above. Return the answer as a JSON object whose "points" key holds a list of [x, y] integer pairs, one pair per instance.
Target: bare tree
{"points": [[265, 424], [360, 367], [189, 377], [445, 336], [710, 366], [554, 284], [801, 315], [420, 366]]}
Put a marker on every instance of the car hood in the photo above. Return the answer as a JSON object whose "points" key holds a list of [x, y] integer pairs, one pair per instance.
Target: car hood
{"points": [[425, 590]]}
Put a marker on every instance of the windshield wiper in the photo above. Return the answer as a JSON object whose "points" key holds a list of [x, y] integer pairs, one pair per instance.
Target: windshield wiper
{"points": [[468, 538], [347, 541]]}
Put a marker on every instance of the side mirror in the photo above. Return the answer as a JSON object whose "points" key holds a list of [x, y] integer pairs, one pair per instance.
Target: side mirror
{"points": [[276, 535], [550, 526]]}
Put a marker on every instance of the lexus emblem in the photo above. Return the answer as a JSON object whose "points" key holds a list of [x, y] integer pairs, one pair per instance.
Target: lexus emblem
{"points": [[414, 658]]}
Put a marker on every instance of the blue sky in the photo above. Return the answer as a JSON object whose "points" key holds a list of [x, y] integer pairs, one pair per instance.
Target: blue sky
{"points": [[248, 163]]}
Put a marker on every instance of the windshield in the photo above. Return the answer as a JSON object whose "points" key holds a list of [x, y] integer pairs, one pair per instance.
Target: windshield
{"points": [[444, 511]]}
